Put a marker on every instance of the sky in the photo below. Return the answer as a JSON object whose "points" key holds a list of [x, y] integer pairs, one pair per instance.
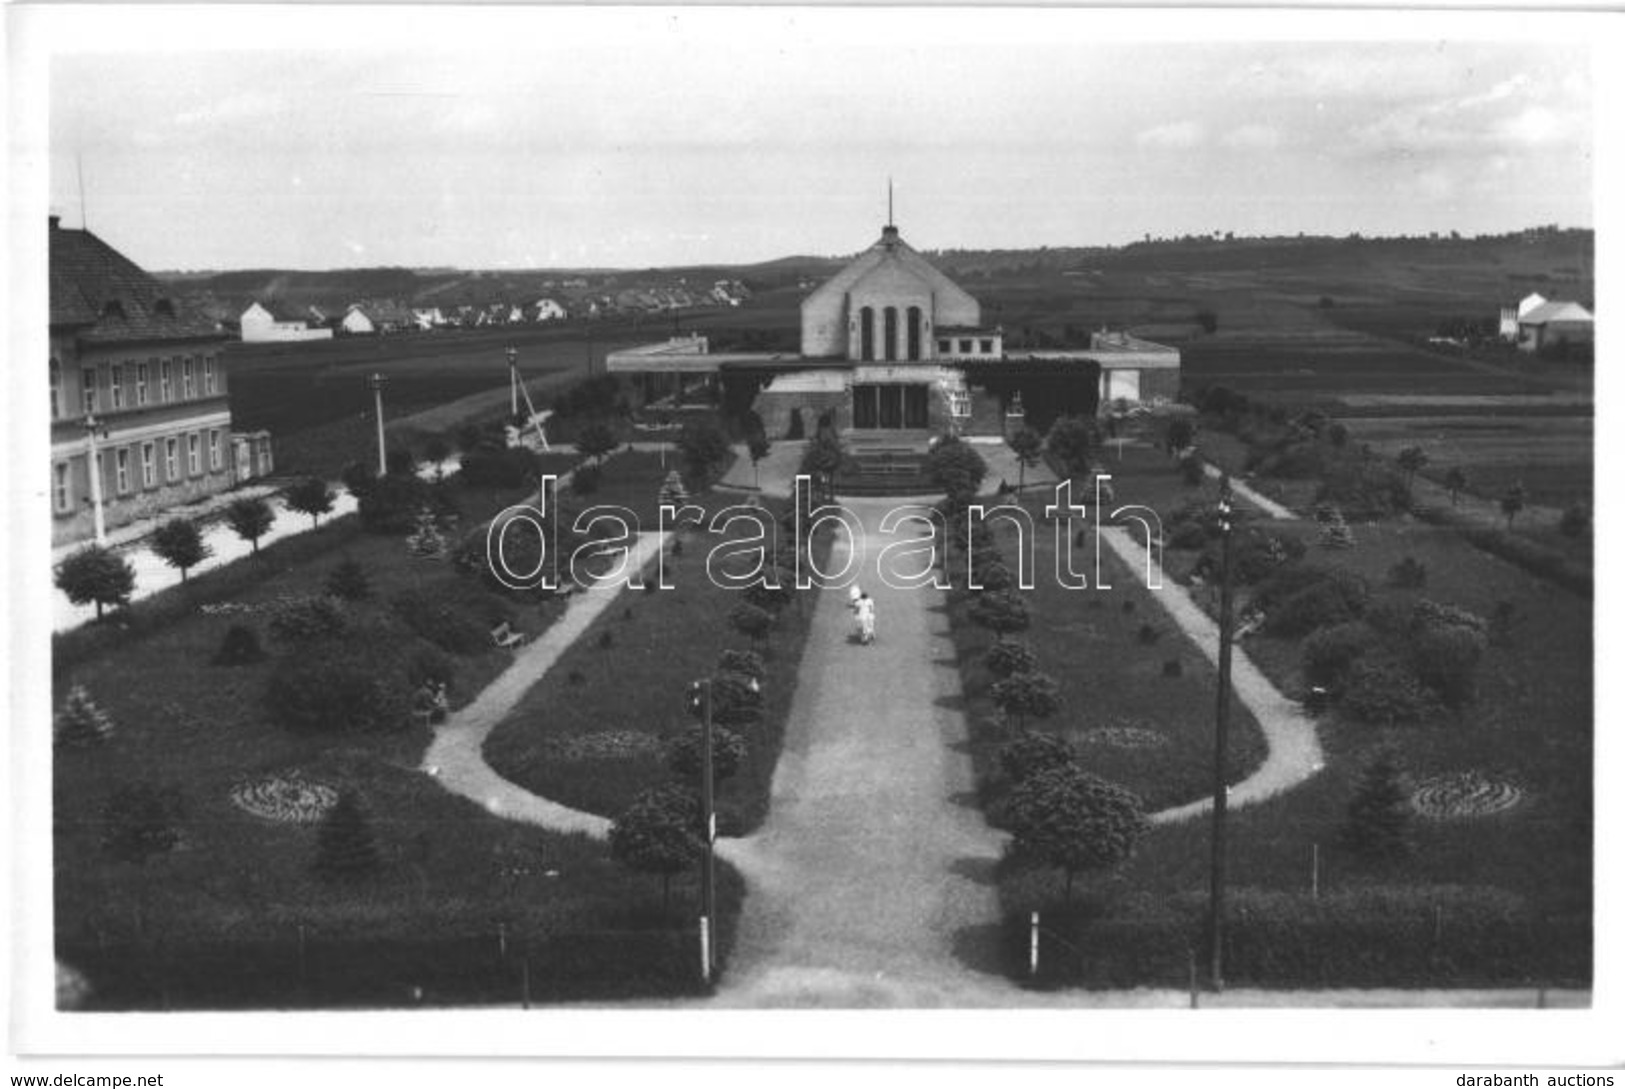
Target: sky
{"points": [[523, 138]]}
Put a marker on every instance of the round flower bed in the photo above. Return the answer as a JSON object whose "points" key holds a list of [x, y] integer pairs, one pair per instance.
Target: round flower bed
{"points": [[603, 745], [1122, 736], [288, 798], [1464, 794]]}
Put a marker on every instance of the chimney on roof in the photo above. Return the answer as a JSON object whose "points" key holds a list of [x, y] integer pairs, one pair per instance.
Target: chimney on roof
{"points": [[56, 220]]}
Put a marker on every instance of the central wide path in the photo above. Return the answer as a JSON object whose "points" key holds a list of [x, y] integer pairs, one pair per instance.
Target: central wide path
{"points": [[871, 882]]}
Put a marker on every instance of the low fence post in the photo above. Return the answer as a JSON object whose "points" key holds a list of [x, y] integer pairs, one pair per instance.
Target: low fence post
{"points": [[1032, 948], [705, 949]]}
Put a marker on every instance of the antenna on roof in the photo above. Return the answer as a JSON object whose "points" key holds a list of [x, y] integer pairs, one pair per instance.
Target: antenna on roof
{"points": [[84, 215]]}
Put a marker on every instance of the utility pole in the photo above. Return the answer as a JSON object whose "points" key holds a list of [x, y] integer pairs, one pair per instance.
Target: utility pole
{"points": [[699, 702], [513, 383], [377, 384], [93, 469], [1221, 735]]}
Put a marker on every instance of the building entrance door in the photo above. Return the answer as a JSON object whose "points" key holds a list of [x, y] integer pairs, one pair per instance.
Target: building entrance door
{"points": [[890, 406]]}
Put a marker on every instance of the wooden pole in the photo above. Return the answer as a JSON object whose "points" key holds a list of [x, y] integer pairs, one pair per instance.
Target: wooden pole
{"points": [[1032, 949], [1314, 871], [1221, 735], [708, 795]]}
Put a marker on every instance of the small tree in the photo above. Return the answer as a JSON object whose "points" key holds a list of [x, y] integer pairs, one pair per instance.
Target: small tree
{"points": [[685, 753], [1007, 657], [179, 543], [310, 496], [349, 580], [1067, 818], [759, 448], [96, 574], [1412, 460], [672, 492], [1028, 446], [1000, 611], [1031, 753], [426, 540], [751, 620], [250, 518], [1512, 502], [81, 723], [596, 441], [1335, 532], [704, 448], [1455, 481], [344, 843], [1024, 695], [1072, 439], [662, 832], [1378, 825]]}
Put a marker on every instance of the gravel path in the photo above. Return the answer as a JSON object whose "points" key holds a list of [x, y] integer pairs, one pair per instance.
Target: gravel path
{"points": [[1294, 749], [456, 757], [872, 875]]}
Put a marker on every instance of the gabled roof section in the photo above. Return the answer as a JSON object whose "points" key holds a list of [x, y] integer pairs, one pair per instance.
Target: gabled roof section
{"points": [[108, 297], [1555, 311], [890, 255]]}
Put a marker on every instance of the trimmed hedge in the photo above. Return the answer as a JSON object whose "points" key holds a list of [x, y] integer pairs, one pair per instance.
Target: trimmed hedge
{"points": [[1447, 936]]}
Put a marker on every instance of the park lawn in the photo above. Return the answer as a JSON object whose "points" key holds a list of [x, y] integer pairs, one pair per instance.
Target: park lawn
{"points": [[1131, 723], [239, 882], [592, 734]]}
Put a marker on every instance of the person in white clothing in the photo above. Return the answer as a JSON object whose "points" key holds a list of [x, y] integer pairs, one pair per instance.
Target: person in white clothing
{"points": [[866, 618]]}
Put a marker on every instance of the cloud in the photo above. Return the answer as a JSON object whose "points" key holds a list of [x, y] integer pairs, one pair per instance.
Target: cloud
{"points": [[1171, 137], [1253, 138]]}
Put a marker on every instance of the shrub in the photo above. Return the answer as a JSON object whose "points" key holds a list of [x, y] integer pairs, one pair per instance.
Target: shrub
{"points": [[685, 753], [334, 690], [81, 723], [348, 581], [1007, 657], [1024, 695], [1000, 611], [1408, 574], [746, 662], [344, 844], [391, 505], [297, 621], [1446, 659], [1329, 652], [1330, 601], [1336, 532], [240, 646], [736, 699], [500, 467], [1379, 689], [1364, 489], [704, 449], [1032, 752], [955, 467], [993, 575], [1379, 814]]}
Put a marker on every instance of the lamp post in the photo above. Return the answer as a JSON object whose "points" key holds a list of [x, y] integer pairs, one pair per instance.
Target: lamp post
{"points": [[699, 701], [1221, 734], [513, 382], [93, 470], [376, 382]]}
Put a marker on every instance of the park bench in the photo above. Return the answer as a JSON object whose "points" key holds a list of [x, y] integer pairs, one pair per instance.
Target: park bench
{"points": [[504, 636]]}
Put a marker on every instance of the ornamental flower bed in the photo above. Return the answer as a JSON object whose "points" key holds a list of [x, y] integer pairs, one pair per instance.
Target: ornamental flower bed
{"points": [[288, 798], [1464, 794]]}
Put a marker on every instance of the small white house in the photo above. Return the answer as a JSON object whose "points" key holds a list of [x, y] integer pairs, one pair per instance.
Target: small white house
{"points": [[260, 325], [356, 321], [549, 310], [430, 318]]}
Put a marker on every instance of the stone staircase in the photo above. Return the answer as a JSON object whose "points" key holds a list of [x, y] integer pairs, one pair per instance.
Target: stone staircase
{"points": [[889, 464]]}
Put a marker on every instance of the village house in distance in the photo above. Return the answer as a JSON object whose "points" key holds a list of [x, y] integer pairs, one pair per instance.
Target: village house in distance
{"points": [[899, 353], [136, 377]]}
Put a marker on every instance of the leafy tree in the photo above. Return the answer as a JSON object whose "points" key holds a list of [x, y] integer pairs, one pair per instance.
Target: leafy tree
{"points": [[179, 543], [759, 448], [727, 753], [426, 540], [344, 843], [1181, 435], [751, 620], [736, 698], [1072, 439], [823, 458], [745, 662], [1028, 446], [81, 723], [704, 448], [349, 580], [1445, 658], [310, 496], [1412, 460], [1067, 818], [1007, 657], [662, 832], [1000, 611], [672, 492], [1024, 695], [1455, 481], [596, 441], [96, 574], [1378, 824], [1033, 752], [1512, 503], [250, 518]]}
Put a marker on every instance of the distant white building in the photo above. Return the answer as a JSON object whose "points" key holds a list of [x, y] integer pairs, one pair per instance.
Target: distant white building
{"points": [[260, 324], [431, 318], [1537, 322], [549, 310], [357, 322]]}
